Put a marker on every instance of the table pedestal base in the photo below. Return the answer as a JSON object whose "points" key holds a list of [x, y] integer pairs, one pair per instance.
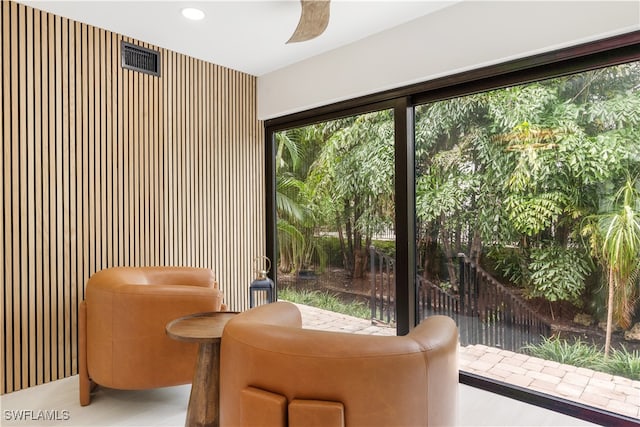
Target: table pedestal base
{"points": [[203, 408]]}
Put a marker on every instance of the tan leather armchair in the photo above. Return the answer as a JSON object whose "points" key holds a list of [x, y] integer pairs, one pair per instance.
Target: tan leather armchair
{"points": [[273, 373], [122, 339]]}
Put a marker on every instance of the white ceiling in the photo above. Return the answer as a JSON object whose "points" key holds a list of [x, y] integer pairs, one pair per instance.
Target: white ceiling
{"points": [[244, 35]]}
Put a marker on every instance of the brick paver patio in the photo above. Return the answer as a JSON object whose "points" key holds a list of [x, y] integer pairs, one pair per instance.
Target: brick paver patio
{"points": [[610, 392], [613, 393]]}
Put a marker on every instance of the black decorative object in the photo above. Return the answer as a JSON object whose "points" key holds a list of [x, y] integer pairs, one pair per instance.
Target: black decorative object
{"points": [[261, 284]]}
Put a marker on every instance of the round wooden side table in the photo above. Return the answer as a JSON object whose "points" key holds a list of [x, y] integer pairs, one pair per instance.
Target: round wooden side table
{"points": [[205, 329]]}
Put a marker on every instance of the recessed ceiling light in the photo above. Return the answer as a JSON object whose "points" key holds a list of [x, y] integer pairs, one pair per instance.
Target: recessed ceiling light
{"points": [[192, 13]]}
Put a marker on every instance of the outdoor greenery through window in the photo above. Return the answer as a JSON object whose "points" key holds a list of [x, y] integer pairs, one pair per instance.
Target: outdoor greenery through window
{"points": [[527, 228], [528, 220], [334, 197]]}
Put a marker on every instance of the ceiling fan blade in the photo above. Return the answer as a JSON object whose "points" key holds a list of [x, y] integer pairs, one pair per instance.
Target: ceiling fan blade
{"points": [[313, 20]]}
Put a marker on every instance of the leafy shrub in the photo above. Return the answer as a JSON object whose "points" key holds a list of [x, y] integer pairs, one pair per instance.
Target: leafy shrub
{"points": [[331, 246], [578, 353], [558, 274], [550, 271], [510, 263], [387, 247], [624, 363], [326, 301]]}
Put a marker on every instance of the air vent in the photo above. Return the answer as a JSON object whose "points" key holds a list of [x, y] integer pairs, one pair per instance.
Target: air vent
{"points": [[140, 59]]}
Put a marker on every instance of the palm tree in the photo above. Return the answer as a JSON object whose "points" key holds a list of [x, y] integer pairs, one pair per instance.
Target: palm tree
{"points": [[291, 213], [620, 246], [296, 219]]}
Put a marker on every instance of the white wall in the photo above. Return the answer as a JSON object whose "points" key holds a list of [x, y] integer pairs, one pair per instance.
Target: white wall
{"points": [[464, 36]]}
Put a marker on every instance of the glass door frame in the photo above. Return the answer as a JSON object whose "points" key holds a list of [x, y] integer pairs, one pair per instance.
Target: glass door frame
{"points": [[404, 190]]}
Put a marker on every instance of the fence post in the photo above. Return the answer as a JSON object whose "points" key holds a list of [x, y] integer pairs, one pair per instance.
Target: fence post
{"points": [[388, 268], [372, 263], [461, 282]]}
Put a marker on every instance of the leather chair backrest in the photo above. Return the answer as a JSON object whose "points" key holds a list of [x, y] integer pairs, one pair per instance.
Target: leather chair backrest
{"points": [[127, 310], [267, 361]]}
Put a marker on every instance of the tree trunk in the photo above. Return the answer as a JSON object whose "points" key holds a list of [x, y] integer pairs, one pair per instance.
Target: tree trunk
{"points": [[365, 255], [431, 262], [343, 249], [476, 247], [284, 264], [360, 263], [446, 244], [348, 254], [458, 237], [607, 343]]}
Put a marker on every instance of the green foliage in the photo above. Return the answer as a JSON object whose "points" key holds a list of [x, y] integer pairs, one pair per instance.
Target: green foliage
{"points": [[331, 247], [387, 247], [616, 242], [524, 170], [624, 363], [296, 219], [352, 177], [550, 271], [510, 263], [440, 196], [557, 273], [576, 353], [326, 301], [525, 167], [532, 213], [583, 355], [512, 106]]}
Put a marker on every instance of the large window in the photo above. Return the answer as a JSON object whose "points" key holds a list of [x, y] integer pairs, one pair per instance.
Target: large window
{"points": [[335, 211], [528, 232], [516, 193]]}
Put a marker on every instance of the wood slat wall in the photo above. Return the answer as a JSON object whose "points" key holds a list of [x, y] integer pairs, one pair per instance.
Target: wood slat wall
{"points": [[103, 166]]}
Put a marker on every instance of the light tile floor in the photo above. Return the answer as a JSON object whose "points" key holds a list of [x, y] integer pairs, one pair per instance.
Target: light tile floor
{"points": [[167, 406], [58, 400], [56, 404], [613, 393]]}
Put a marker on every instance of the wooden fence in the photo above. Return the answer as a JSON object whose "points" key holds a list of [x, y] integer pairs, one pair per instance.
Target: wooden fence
{"points": [[486, 311], [383, 286]]}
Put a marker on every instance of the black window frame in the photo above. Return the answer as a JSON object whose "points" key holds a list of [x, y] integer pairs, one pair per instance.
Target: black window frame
{"points": [[575, 59]]}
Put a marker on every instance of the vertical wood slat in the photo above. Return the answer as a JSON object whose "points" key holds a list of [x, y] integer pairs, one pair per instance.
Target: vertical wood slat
{"points": [[47, 23], [30, 97], [6, 202], [2, 202], [37, 281], [20, 151], [73, 281], [104, 166], [119, 151], [56, 203], [64, 240], [13, 327]]}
